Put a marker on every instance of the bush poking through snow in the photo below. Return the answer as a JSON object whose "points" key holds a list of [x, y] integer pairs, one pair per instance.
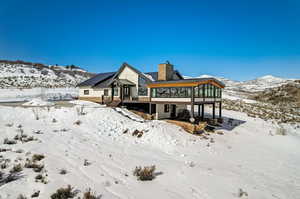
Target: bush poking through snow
{"points": [[9, 124], [9, 142], [78, 122], [35, 194], [54, 120], [63, 171], [19, 151], [64, 193], [21, 196], [281, 131], [146, 173], [89, 195], [16, 168], [37, 157], [80, 110], [33, 165], [242, 193], [86, 163]]}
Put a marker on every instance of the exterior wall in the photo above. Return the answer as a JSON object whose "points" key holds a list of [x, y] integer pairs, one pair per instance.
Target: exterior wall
{"points": [[132, 76], [171, 99], [95, 94], [161, 114]]}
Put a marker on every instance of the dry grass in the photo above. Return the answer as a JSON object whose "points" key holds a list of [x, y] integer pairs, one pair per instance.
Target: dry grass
{"points": [[89, 195], [9, 142], [144, 174], [37, 157], [64, 193], [16, 168]]}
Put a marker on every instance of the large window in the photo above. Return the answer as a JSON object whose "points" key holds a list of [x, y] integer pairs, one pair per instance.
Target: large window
{"points": [[116, 91], [208, 90], [142, 91], [173, 92], [142, 87]]}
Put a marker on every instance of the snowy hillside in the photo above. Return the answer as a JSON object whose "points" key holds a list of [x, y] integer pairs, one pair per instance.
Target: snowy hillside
{"points": [[20, 74], [258, 84], [92, 146]]}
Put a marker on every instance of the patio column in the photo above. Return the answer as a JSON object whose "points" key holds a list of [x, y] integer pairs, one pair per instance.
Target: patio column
{"points": [[214, 110], [220, 110], [202, 112]]}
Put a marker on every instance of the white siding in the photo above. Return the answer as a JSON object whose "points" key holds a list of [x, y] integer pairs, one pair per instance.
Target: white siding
{"points": [[93, 92], [161, 114], [132, 76]]}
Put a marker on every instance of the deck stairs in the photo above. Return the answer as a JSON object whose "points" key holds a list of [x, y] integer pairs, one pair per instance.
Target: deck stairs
{"points": [[114, 103]]}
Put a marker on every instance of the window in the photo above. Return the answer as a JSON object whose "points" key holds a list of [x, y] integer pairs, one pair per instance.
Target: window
{"points": [[105, 92], [167, 108], [142, 91], [142, 87], [86, 92], [173, 92], [116, 91]]}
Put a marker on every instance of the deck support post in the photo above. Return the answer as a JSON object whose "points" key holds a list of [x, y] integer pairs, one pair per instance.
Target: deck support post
{"points": [[214, 110], [199, 110], [220, 110], [150, 108], [202, 112]]}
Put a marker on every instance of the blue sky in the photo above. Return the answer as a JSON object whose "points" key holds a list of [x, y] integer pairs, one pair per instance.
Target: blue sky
{"points": [[236, 39]]}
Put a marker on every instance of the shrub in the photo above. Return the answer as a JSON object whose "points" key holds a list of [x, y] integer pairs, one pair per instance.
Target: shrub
{"points": [[78, 122], [21, 196], [39, 177], [64, 193], [35, 194], [37, 157], [9, 142], [16, 168], [63, 171], [19, 151], [89, 195], [281, 131], [147, 173], [33, 165], [54, 120], [86, 162]]}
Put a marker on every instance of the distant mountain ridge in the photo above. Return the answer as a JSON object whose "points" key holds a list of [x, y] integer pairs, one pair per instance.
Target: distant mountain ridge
{"points": [[258, 84], [20, 74]]}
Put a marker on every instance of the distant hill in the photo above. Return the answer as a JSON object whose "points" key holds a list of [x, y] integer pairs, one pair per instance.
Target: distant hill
{"points": [[256, 85], [20, 74]]}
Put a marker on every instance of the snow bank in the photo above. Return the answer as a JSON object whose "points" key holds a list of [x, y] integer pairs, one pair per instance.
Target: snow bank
{"points": [[19, 95], [38, 102], [248, 156], [86, 103]]}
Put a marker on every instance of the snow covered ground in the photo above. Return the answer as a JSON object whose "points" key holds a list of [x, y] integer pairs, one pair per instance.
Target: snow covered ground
{"points": [[14, 94], [249, 156]]}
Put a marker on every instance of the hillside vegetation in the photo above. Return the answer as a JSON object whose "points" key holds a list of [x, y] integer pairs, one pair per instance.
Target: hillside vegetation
{"points": [[20, 74]]}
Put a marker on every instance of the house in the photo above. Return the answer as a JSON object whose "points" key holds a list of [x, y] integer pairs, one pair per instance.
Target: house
{"points": [[164, 94]]}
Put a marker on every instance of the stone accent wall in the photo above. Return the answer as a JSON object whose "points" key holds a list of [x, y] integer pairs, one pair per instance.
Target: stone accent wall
{"points": [[165, 71]]}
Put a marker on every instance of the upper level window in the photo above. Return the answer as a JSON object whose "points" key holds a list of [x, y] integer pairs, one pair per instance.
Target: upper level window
{"points": [[142, 87], [116, 91], [142, 91], [86, 92], [105, 92]]}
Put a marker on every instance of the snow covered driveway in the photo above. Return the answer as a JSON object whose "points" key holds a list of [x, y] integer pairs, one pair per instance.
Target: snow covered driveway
{"points": [[249, 156]]}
